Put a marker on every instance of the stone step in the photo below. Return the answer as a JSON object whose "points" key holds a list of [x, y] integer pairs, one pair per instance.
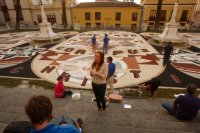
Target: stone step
{"points": [[93, 128], [2, 126]]}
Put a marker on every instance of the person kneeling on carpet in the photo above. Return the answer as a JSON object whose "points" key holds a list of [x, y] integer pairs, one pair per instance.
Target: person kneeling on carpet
{"points": [[151, 85], [60, 90]]}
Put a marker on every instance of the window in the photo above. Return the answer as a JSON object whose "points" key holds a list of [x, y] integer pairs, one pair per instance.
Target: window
{"points": [[51, 19], [134, 16], [184, 15], [98, 25], [118, 16], [87, 25], [163, 15], [151, 23], [152, 15], [87, 16], [133, 26], [97, 16], [161, 24], [117, 26], [182, 24], [39, 18]]}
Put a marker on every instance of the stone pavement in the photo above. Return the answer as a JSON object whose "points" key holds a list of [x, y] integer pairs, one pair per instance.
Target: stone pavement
{"points": [[146, 115]]}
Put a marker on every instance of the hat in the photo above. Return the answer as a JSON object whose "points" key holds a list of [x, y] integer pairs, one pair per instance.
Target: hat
{"points": [[76, 96]]}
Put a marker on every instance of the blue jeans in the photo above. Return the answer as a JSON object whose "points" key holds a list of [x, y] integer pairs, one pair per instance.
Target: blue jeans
{"points": [[169, 108], [175, 112], [165, 61]]}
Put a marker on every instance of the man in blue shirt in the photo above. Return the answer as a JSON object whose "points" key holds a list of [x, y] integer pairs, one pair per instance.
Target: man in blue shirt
{"points": [[39, 110], [105, 43], [111, 72], [94, 43], [185, 107]]}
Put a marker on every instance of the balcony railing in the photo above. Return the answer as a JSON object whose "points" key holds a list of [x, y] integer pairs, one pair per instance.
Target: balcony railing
{"points": [[183, 19], [152, 18], [162, 18]]}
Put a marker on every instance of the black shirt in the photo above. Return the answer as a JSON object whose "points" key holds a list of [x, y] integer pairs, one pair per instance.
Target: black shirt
{"points": [[168, 50]]}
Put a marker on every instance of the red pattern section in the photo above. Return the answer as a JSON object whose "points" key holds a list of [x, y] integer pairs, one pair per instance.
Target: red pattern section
{"points": [[145, 50], [175, 78], [131, 62], [50, 53], [64, 57], [117, 52], [45, 58], [54, 63], [14, 60], [187, 67], [84, 81], [135, 73], [152, 57]]}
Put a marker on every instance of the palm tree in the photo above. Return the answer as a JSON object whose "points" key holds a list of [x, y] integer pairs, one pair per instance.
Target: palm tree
{"points": [[17, 10], [159, 6], [64, 16]]}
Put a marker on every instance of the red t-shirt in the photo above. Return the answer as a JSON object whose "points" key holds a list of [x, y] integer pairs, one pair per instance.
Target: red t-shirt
{"points": [[59, 90]]}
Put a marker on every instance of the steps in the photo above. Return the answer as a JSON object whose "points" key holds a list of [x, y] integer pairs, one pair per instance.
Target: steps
{"points": [[146, 115]]}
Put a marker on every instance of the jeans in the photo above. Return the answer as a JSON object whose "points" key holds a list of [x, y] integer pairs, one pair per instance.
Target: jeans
{"points": [[99, 92], [105, 48], [169, 108], [173, 111], [165, 61]]}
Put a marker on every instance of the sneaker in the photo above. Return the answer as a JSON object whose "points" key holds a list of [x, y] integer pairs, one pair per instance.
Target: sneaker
{"points": [[69, 93]]}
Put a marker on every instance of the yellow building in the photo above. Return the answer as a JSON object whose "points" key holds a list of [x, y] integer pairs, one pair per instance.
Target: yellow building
{"points": [[104, 15], [185, 11]]}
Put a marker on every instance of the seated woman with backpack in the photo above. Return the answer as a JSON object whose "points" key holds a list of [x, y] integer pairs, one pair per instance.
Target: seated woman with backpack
{"points": [[39, 110], [60, 90]]}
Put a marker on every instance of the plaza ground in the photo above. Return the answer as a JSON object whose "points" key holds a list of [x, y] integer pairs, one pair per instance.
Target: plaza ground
{"points": [[131, 52]]}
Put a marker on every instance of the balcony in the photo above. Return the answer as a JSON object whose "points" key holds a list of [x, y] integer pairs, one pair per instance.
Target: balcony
{"points": [[183, 19], [162, 18], [152, 18]]}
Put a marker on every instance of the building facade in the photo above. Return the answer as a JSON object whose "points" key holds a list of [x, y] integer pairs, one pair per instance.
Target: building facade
{"points": [[30, 14], [108, 15], [185, 12], [196, 19]]}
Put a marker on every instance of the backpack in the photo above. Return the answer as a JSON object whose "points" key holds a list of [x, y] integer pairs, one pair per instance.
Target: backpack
{"points": [[18, 127], [61, 120]]}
